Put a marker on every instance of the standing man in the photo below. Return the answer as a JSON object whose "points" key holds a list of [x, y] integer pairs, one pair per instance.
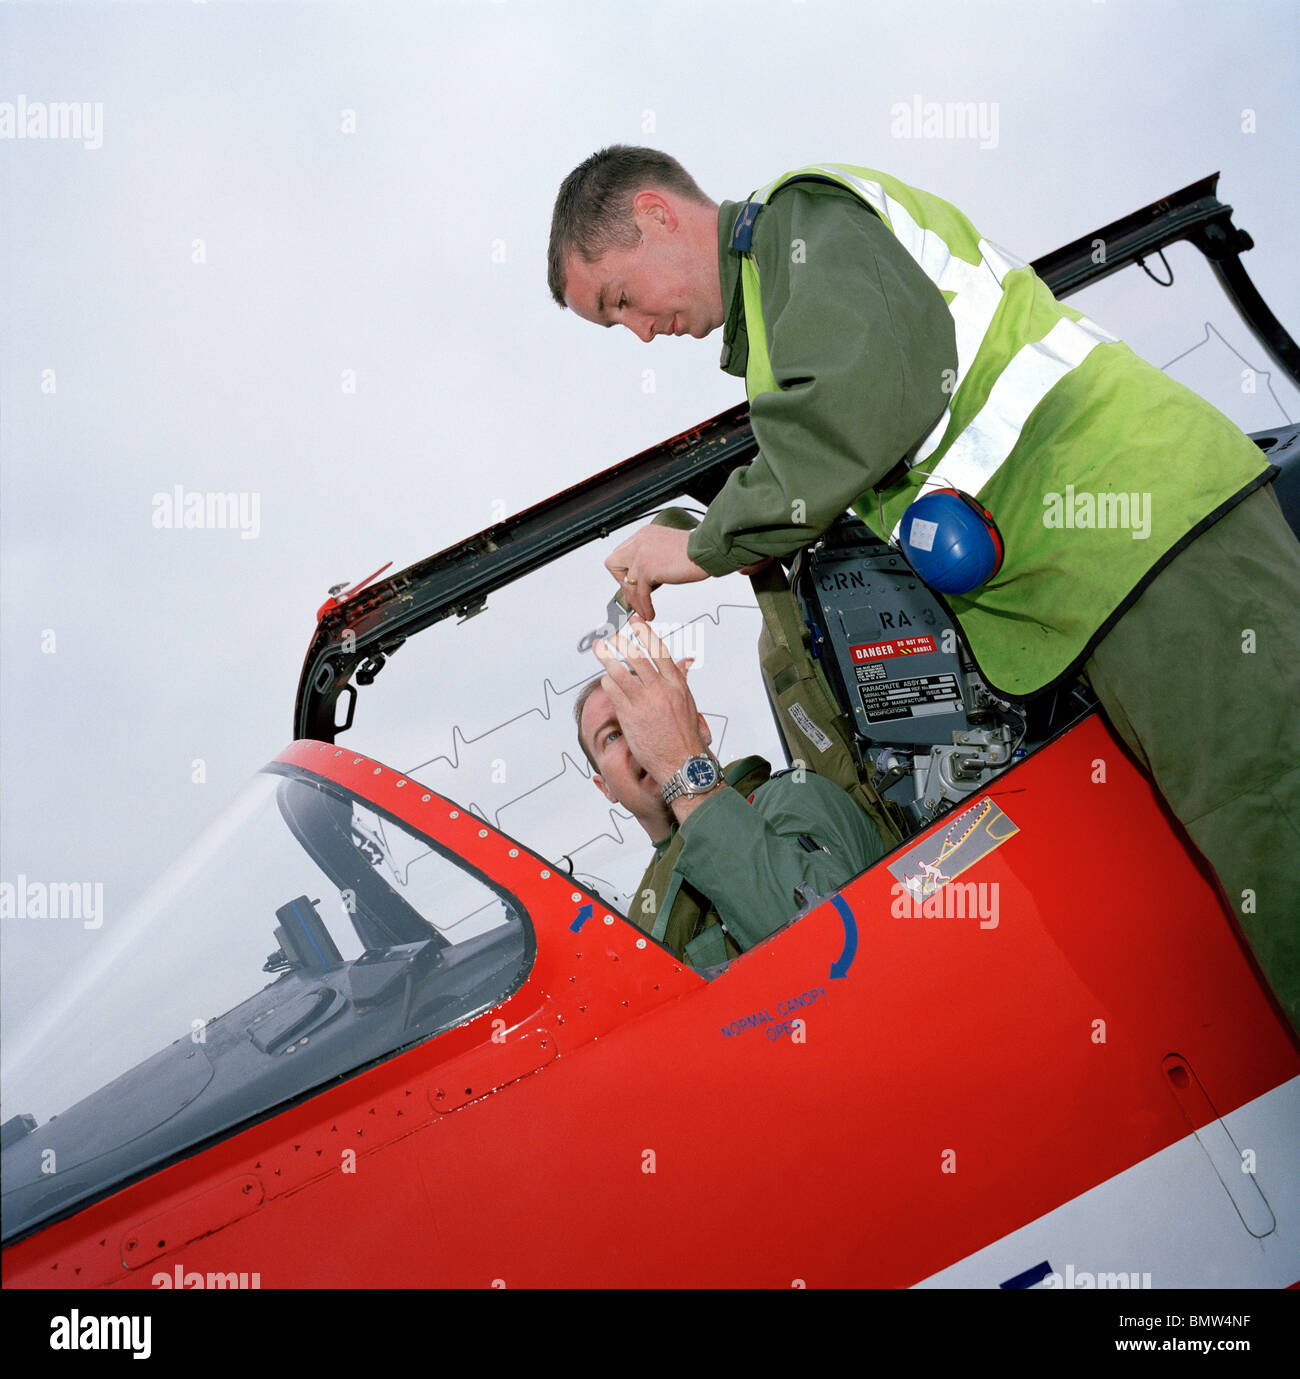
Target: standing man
{"points": [[887, 348]]}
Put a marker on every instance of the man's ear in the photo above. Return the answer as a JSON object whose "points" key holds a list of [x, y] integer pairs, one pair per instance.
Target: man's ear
{"points": [[656, 206], [599, 783]]}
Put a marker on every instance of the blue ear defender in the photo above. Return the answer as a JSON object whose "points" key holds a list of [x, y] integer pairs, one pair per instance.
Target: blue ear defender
{"points": [[951, 541]]}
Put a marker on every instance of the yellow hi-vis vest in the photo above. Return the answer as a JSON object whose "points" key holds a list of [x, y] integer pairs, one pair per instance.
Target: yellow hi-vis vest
{"points": [[1097, 467]]}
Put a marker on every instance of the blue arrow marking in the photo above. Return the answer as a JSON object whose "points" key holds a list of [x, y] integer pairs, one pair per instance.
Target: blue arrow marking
{"points": [[840, 967], [584, 915]]}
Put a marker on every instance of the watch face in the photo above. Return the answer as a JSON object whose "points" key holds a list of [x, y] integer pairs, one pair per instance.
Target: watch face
{"points": [[700, 773]]}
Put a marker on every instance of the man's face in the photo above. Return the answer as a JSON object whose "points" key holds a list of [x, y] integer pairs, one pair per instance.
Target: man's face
{"points": [[668, 284], [621, 778]]}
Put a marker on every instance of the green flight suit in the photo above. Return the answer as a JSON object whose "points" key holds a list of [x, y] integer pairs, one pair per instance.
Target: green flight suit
{"points": [[743, 864]]}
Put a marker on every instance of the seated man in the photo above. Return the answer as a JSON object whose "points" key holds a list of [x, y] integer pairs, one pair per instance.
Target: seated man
{"points": [[735, 858]]}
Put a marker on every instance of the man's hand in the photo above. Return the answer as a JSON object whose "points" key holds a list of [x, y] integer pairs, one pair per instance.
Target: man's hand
{"points": [[650, 557], [656, 711]]}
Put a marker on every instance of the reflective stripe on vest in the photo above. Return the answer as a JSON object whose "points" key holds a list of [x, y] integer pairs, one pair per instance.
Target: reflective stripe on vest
{"points": [[978, 280]]}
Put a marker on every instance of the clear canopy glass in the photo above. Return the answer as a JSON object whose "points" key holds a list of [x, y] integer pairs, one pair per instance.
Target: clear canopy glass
{"points": [[307, 935]]}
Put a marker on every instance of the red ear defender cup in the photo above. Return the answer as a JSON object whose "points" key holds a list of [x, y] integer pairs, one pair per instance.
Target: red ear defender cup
{"points": [[951, 541]]}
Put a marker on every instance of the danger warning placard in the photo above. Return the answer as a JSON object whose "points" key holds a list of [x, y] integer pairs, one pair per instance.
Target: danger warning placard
{"points": [[900, 646]]}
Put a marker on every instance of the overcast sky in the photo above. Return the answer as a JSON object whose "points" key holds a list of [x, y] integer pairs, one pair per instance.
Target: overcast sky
{"points": [[298, 253]]}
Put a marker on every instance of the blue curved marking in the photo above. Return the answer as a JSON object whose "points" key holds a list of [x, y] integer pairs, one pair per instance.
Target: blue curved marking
{"points": [[840, 967], [584, 915]]}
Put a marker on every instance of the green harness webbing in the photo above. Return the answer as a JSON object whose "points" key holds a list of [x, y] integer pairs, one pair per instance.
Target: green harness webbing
{"points": [[814, 728]]}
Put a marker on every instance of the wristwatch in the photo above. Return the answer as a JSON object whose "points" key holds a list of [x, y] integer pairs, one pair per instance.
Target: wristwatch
{"points": [[698, 776]]}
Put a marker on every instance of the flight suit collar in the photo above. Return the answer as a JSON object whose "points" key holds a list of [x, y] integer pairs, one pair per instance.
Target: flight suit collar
{"points": [[735, 340]]}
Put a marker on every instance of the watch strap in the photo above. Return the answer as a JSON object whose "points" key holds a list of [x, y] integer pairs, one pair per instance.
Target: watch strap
{"points": [[677, 785]]}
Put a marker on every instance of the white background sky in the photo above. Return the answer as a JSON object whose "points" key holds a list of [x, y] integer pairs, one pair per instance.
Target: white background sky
{"points": [[412, 251]]}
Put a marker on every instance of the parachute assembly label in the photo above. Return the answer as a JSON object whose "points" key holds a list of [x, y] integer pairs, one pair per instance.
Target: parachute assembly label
{"points": [[914, 697]]}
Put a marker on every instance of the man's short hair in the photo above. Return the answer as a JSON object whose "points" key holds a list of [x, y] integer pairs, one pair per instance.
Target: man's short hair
{"points": [[580, 703], [593, 211]]}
